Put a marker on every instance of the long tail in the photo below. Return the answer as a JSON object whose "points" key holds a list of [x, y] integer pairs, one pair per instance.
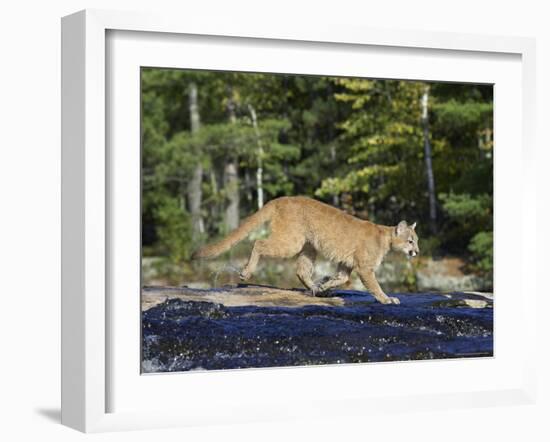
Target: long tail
{"points": [[252, 222]]}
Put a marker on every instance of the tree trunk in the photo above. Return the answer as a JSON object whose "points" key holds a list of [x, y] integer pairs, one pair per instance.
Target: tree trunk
{"points": [[259, 156], [231, 184], [231, 106], [336, 196], [231, 177], [194, 188], [215, 209], [428, 160], [248, 185]]}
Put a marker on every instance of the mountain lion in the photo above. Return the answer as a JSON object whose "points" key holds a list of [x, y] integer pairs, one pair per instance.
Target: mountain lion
{"points": [[305, 227]]}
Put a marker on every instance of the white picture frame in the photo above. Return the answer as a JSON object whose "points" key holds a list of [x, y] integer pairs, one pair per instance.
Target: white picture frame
{"points": [[87, 316]]}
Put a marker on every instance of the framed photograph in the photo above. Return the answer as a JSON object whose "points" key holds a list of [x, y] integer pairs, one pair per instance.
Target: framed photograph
{"points": [[251, 214]]}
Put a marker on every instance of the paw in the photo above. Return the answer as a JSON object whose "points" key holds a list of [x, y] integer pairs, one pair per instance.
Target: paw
{"points": [[389, 300], [314, 290], [244, 275]]}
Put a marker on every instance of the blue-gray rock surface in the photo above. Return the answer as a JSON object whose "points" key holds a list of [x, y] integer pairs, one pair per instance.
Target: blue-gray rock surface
{"points": [[254, 326]]}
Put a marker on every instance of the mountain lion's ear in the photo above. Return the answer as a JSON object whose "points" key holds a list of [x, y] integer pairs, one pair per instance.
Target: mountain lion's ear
{"points": [[401, 227], [413, 225]]}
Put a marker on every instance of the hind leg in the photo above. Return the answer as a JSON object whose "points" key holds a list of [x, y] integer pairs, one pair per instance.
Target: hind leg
{"points": [[276, 246], [341, 278], [304, 267], [252, 263]]}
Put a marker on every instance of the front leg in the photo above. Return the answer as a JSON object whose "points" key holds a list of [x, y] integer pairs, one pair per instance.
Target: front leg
{"points": [[369, 281]]}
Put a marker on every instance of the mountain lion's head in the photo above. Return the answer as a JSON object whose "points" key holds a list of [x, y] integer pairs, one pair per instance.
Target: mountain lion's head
{"points": [[405, 239]]}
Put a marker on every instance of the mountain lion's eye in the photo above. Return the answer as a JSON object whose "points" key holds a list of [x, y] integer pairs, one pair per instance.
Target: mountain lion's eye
{"points": [[410, 241]]}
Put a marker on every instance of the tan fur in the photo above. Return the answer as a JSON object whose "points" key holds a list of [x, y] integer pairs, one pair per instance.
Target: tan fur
{"points": [[306, 227]]}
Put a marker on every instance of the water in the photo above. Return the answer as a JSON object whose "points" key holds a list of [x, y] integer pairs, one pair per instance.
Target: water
{"points": [[229, 268], [189, 335]]}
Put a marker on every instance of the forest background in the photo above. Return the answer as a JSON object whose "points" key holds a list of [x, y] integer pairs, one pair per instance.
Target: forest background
{"points": [[217, 145]]}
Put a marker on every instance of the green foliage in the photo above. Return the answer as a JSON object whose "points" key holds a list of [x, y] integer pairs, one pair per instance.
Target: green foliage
{"points": [[471, 223], [384, 163], [464, 207], [174, 230], [481, 247], [460, 118]]}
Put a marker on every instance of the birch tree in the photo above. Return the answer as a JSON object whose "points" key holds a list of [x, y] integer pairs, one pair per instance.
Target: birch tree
{"points": [[428, 159], [194, 187], [259, 156], [231, 176]]}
